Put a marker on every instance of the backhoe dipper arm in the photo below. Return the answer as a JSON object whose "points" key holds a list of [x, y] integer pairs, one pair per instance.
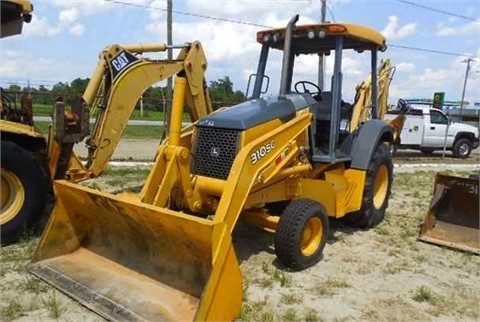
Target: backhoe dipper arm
{"points": [[120, 79]]}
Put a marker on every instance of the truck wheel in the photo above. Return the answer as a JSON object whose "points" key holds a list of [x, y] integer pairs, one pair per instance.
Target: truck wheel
{"points": [[23, 191], [376, 192], [301, 234], [462, 148]]}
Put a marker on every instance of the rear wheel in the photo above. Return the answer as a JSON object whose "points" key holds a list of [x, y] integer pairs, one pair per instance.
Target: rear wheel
{"points": [[301, 234], [376, 192], [23, 191], [462, 148]]}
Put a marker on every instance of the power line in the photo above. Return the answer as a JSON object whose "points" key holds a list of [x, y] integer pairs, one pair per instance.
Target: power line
{"points": [[433, 51], [428, 50], [436, 10], [190, 14]]}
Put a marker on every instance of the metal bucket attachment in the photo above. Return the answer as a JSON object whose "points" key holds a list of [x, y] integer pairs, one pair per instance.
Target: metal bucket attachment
{"points": [[453, 218], [131, 261]]}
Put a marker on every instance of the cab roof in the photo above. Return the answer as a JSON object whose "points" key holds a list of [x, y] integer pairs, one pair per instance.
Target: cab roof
{"points": [[321, 38]]}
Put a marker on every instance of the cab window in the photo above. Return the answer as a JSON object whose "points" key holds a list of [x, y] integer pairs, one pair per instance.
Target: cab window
{"points": [[437, 118]]}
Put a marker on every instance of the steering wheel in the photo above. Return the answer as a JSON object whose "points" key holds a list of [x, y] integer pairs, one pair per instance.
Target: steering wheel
{"points": [[304, 87]]}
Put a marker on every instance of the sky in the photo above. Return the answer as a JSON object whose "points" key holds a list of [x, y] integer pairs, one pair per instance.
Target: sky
{"points": [[429, 40]]}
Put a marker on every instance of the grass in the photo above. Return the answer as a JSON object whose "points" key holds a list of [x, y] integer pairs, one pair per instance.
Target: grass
{"points": [[330, 286], [52, 304], [12, 311], [47, 110], [131, 131], [274, 275], [127, 171], [35, 285], [290, 298], [425, 294]]}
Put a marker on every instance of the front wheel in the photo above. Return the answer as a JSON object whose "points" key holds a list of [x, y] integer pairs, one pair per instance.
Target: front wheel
{"points": [[24, 187], [376, 191], [301, 234], [462, 148]]}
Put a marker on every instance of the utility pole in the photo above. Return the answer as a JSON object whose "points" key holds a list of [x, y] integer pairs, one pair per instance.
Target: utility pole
{"points": [[321, 57], [468, 61], [169, 57]]}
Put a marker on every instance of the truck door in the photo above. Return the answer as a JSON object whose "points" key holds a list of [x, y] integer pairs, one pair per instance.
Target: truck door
{"points": [[435, 127], [412, 132]]}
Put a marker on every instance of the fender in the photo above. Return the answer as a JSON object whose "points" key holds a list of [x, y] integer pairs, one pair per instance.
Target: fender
{"points": [[362, 143]]}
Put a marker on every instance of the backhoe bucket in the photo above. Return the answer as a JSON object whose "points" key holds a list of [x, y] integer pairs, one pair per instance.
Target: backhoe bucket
{"points": [[131, 261], [453, 219]]}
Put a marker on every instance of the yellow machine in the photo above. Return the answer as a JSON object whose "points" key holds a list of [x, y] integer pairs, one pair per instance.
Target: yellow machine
{"points": [[24, 182], [362, 112], [167, 253], [30, 162], [13, 14], [452, 218], [118, 81]]}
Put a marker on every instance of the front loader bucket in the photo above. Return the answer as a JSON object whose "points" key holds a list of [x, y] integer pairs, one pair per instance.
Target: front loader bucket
{"points": [[453, 219], [132, 261]]}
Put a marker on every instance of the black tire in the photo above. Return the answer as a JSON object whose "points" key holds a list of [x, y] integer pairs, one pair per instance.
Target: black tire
{"points": [[301, 234], [462, 148], [427, 151], [376, 192], [24, 189]]}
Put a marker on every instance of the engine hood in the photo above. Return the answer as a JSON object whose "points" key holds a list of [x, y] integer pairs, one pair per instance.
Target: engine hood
{"points": [[257, 111], [462, 127]]}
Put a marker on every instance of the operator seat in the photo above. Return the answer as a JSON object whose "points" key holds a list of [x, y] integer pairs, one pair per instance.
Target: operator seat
{"points": [[323, 116], [325, 107]]}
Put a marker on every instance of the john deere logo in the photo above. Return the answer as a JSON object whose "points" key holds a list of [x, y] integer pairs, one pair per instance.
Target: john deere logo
{"points": [[215, 152]]}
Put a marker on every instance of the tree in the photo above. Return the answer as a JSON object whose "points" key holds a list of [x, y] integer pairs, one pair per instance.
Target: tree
{"points": [[14, 88], [78, 86], [60, 88], [222, 93]]}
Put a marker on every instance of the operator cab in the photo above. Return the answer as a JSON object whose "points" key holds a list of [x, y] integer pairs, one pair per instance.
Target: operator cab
{"points": [[328, 109]]}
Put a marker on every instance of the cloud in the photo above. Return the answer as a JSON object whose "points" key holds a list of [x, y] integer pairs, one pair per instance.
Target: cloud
{"points": [[33, 67], [41, 27], [68, 16], [77, 30], [405, 67], [446, 31], [252, 11], [471, 28], [394, 31]]}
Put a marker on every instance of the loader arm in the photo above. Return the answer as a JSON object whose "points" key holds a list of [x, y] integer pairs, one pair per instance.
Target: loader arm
{"points": [[118, 82], [363, 98]]}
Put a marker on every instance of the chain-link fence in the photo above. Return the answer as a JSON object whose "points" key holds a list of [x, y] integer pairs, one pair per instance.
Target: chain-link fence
{"points": [[143, 149]]}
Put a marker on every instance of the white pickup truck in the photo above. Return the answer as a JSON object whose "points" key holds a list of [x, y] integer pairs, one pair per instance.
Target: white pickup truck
{"points": [[425, 127]]}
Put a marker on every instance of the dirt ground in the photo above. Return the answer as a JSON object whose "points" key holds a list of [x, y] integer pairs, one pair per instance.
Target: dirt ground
{"points": [[381, 274]]}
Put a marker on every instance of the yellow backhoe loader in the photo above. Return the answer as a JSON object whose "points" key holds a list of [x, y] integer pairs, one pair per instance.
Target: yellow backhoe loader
{"points": [[166, 253], [30, 162]]}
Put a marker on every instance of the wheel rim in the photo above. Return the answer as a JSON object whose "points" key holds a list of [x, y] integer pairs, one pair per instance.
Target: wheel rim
{"points": [[463, 150], [12, 196], [380, 187], [311, 236]]}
